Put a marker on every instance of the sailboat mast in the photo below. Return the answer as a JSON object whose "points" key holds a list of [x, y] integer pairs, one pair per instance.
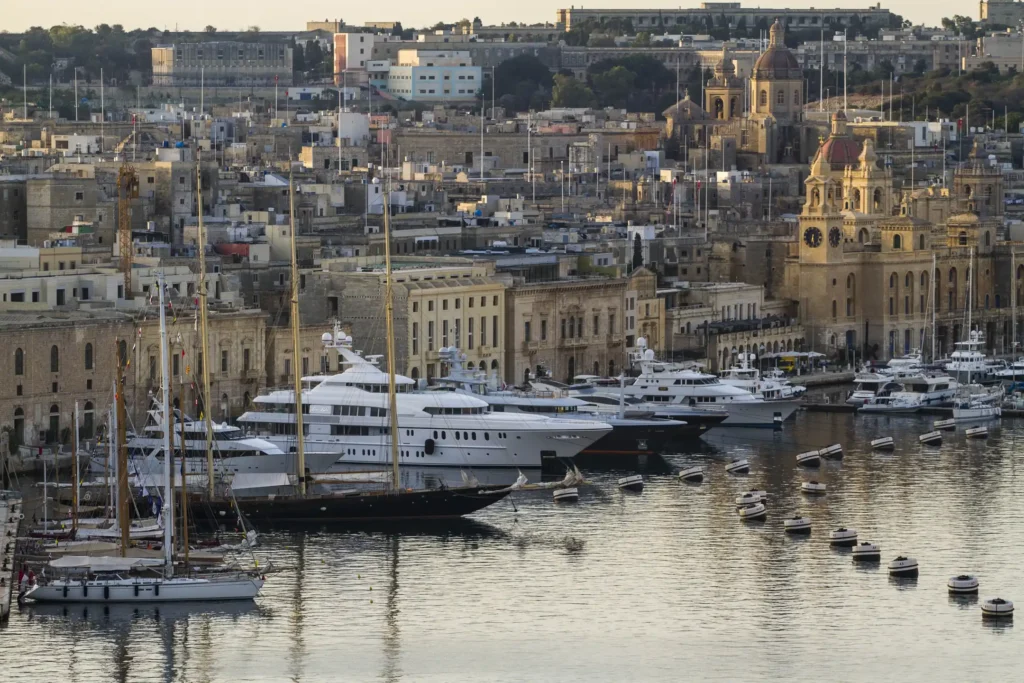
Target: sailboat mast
{"points": [[74, 474], [300, 445], [122, 454], [204, 334], [184, 487], [934, 303], [1013, 298], [389, 308], [165, 396]]}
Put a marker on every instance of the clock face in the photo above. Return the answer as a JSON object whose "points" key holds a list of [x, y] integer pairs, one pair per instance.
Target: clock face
{"points": [[812, 237], [835, 235]]}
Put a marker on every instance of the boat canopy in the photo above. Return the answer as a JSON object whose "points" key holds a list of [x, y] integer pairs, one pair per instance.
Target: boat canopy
{"points": [[102, 563]]}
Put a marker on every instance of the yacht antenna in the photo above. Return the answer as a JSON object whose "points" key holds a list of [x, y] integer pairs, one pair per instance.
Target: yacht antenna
{"points": [[389, 307], [300, 445]]}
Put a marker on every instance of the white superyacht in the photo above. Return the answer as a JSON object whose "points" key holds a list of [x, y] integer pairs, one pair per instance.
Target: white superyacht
{"points": [[346, 417]]}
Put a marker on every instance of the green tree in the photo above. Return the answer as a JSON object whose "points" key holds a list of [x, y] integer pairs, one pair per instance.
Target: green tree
{"points": [[298, 58], [210, 29], [613, 87], [642, 39], [518, 79], [569, 92]]}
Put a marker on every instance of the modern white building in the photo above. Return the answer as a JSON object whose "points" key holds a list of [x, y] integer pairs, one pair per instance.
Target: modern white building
{"points": [[434, 75], [351, 53]]}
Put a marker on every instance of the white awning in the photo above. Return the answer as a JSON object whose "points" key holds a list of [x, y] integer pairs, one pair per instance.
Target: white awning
{"points": [[103, 563], [258, 480]]}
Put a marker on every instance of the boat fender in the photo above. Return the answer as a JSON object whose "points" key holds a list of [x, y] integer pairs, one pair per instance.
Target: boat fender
{"points": [[156, 589], [106, 592], [136, 590], [428, 447]]}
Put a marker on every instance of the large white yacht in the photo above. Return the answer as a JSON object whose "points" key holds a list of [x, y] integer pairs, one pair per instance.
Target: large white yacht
{"points": [[233, 450], [345, 416], [749, 378], [663, 383], [968, 362]]}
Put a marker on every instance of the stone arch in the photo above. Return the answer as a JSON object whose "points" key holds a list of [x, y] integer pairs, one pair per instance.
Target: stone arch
{"points": [[719, 108], [892, 281], [863, 236]]}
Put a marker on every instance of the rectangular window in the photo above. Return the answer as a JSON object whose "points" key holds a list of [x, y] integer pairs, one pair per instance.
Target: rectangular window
{"points": [[469, 334], [430, 335], [444, 333], [494, 332], [60, 297], [224, 361], [444, 304], [458, 330], [563, 328], [543, 330], [152, 368], [597, 325], [305, 365], [415, 338], [483, 331], [526, 331], [174, 365], [611, 323], [430, 306], [415, 306], [457, 302]]}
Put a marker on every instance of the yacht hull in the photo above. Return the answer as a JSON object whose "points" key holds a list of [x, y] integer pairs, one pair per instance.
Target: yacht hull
{"points": [[374, 506], [142, 590], [151, 465], [769, 414]]}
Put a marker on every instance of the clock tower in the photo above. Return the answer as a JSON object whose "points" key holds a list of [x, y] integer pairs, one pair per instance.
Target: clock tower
{"points": [[821, 221]]}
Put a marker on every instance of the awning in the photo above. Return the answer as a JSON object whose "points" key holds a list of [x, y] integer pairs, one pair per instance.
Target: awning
{"points": [[258, 480], [103, 563]]}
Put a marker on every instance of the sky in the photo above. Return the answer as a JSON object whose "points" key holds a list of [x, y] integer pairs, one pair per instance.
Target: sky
{"points": [[277, 16]]}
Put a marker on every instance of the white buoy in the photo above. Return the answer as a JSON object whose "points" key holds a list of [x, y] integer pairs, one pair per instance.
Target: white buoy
{"points": [[634, 482], [567, 495], [945, 425], [997, 608], [738, 467], [752, 512], [798, 525], [813, 488], [931, 438], [843, 537], [964, 583], [693, 474], [833, 452], [867, 552], [977, 433], [808, 459], [749, 498], [903, 566], [886, 443]]}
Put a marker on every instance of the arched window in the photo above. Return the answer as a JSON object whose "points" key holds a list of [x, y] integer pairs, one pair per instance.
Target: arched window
{"points": [[597, 368], [494, 364], [53, 433], [897, 241], [892, 281], [952, 275], [988, 239], [968, 191], [962, 238], [815, 197], [88, 356], [18, 436], [862, 236], [414, 373], [763, 99], [833, 308], [611, 368], [924, 279], [19, 362], [54, 359], [920, 242], [796, 98], [877, 208], [780, 97], [88, 421], [850, 281], [908, 280]]}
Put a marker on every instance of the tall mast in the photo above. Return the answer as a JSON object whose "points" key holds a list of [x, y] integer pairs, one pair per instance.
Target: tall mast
{"points": [[1013, 298], [165, 395], [74, 475], [184, 487], [122, 454], [932, 293], [300, 444], [204, 334], [389, 307]]}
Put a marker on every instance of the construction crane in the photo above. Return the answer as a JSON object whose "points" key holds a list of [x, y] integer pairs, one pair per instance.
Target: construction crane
{"points": [[127, 190]]}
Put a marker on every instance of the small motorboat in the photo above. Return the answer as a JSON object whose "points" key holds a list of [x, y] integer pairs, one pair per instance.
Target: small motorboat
{"points": [[977, 433], [813, 487], [749, 498], [833, 452], [738, 467], [798, 525], [566, 495], [903, 566], [809, 459], [692, 474], [843, 537], [886, 443], [964, 583], [634, 482], [945, 425], [749, 513], [931, 438], [867, 552], [997, 608]]}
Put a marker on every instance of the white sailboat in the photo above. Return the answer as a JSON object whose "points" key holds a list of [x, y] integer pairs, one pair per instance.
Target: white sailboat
{"points": [[108, 579]]}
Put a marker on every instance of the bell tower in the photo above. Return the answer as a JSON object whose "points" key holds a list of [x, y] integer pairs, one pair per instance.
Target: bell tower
{"points": [[821, 221], [723, 94]]}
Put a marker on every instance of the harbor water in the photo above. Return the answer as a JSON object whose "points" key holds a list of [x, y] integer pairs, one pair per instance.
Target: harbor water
{"points": [[665, 585]]}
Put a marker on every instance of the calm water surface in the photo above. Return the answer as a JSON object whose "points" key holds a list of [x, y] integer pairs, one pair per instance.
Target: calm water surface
{"points": [[668, 585]]}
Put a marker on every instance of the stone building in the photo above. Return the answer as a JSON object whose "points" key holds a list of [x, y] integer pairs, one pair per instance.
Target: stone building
{"points": [[222, 63], [661, 20], [565, 328], [56, 201], [13, 208]]}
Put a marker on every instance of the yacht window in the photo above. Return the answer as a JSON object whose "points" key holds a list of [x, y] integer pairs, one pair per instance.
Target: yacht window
{"points": [[487, 436], [443, 435]]}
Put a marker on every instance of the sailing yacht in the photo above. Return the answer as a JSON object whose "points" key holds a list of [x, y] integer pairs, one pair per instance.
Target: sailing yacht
{"points": [[106, 579], [347, 416]]}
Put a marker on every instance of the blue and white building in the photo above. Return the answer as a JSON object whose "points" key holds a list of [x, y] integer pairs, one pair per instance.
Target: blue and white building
{"points": [[434, 76]]}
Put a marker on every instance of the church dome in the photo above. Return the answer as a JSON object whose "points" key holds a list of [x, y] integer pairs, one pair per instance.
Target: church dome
{"points": [[840, 149], [777, 62]]}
